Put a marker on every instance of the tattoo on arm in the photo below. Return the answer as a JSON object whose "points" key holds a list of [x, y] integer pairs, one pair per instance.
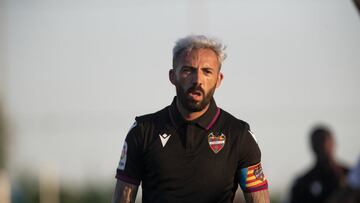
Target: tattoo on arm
{"points": [[124, 192], [261, 196]]}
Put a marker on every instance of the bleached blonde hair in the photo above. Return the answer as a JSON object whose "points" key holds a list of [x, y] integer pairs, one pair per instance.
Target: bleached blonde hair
{"points": [[190, 42]]}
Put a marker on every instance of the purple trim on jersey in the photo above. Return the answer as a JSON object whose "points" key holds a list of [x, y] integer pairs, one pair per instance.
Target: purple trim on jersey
{"points": [[214, 119], [263, 187], [127, 179]]}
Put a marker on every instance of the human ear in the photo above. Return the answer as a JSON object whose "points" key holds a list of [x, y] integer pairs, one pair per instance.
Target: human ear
{"points": [[219, 79], [172, 76]]}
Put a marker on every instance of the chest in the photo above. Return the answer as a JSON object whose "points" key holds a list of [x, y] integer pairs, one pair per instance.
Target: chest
{"points": [[191, 155]]}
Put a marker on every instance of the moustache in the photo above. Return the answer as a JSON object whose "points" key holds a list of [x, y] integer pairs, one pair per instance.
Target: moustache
{"points": [[196, 88]]}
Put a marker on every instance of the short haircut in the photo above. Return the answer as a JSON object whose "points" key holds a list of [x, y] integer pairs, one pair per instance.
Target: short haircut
{"points": [[191, 42]]}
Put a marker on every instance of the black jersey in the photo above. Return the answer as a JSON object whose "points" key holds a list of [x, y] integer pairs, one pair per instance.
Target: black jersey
{"points": [[317, 184], [191, 161]]}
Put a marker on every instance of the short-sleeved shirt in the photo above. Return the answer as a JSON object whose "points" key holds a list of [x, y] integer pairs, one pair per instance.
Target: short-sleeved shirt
{"points": [[202, 160], [317, 184]]}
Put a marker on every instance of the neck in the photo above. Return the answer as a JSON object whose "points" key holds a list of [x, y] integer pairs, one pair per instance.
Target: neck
{"points": [[325, 159], [188, 115]]}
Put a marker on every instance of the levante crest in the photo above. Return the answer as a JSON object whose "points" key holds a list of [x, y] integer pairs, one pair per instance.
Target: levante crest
{"points": [[216, 141]]}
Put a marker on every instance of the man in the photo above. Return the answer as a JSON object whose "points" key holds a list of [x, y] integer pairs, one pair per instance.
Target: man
{"points": [[191, 151], [320, 182]]}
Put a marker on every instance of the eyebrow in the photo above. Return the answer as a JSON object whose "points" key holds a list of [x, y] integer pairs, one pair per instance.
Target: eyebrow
{"points": [[192, 67]]}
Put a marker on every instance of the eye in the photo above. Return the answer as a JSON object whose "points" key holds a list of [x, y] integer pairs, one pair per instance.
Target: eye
{"points": [[186, 70], [207, 71]]}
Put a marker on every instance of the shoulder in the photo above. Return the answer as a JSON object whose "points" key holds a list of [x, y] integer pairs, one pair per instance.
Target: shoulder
{"points": [[152, 117], [305, 178], [145, 124], [239, 128], [234, 122]]}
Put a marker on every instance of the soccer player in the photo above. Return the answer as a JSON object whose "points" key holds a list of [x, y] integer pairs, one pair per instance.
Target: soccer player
{"points": [[325, 177], [191, 151]]}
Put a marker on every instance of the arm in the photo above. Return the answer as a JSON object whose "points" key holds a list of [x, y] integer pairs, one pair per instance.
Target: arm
{"points": [[129, 172], [124, 192], [252, 179], [261, 196]]}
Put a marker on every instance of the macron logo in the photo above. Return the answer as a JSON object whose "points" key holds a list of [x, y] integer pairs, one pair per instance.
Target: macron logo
{"points": [[164, 138]]}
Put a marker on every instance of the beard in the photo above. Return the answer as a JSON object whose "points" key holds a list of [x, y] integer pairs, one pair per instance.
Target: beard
{"points": [[191, 105]]}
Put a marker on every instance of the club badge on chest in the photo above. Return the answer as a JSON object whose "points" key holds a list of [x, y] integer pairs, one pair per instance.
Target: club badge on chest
{"points": [[216, 141]]}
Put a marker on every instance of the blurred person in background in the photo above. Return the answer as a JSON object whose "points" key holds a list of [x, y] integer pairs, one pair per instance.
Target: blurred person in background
{"points": [[191, 151], [325, 177], [351, 192]]}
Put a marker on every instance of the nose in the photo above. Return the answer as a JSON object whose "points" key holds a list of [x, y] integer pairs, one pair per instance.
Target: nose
{"points": [[197, 77]]}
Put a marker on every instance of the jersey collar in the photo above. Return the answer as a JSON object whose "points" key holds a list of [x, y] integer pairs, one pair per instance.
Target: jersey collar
{"points": [[206, 121]]}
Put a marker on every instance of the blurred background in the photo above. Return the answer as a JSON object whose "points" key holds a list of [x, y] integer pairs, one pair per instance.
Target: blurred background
{"points": [[74, 74]]}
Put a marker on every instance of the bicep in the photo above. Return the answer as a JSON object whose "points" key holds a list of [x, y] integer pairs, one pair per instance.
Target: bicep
{"points": [[124, 192], [249, 150], [250, 172], [261, 196]]}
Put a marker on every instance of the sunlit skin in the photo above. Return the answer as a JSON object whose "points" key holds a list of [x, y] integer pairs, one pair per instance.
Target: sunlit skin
{"points": [[124, 192], [195, 76], [261, 196], [200, 68]]}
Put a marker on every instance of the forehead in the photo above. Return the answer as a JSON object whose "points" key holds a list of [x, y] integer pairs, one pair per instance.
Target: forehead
{"points": [[201, 55]]}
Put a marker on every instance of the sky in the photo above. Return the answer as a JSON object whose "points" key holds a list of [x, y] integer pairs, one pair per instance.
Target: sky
{"points": [[74, 74]]}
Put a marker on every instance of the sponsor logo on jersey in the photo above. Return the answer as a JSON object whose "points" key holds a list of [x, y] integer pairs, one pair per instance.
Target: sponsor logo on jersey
{"points": [[164, 138], [122, 162], [216, 142]]}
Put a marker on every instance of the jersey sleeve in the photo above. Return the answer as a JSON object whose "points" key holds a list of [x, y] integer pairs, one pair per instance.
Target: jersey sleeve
{"points": [[250, 173], [130, 165]]}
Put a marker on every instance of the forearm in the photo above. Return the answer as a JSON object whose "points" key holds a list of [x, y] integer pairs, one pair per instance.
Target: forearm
{"points": [[124, 192], [261, 196]]}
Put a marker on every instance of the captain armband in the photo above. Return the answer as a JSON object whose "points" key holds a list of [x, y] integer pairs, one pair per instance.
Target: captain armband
{"points": [[252, 179]]}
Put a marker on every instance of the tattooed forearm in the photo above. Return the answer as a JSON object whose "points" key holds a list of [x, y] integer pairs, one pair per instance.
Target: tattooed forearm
{"points": [[124, 192], [261, 196]]}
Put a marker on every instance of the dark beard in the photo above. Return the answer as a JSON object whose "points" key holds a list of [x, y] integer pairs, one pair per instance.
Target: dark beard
{"points": [[189, 104]]}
